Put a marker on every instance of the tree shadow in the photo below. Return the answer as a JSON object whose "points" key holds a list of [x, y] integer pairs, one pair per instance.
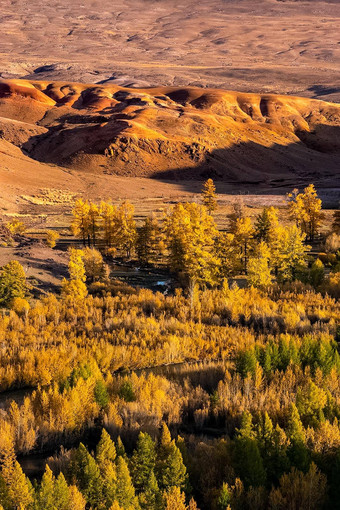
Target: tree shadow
{"points": [[50, 266]]}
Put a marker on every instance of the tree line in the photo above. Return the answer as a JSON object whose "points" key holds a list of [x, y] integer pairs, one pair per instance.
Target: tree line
{"points": [[154, 477], [186, 239]]}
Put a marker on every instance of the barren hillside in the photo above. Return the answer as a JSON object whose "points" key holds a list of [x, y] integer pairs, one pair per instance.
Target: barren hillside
{"points": [[264, 46], [173, 133]]}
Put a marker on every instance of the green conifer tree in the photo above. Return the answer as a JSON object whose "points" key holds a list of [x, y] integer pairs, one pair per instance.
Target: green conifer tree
{"points": [[105, 457], [143, 461], [109, 480], [265, 224], [150, 498], [45, 495], [125, 493], [296, 431], [265, 431], [84, 470], [62, 493], [246, 362], [246, 430], [249, 464], [297, 452], [262, 225], [101, 394], [273, 448], [173, 471], [120, 448], [106, 450], [248, 460]]}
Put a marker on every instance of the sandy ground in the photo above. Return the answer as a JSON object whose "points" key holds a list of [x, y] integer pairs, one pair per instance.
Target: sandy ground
{"points": [[44, 267], [262, 46], [253, 142]]}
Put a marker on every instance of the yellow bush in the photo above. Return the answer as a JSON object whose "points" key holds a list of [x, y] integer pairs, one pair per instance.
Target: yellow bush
{"points": [[51, 238], [20, 306]]}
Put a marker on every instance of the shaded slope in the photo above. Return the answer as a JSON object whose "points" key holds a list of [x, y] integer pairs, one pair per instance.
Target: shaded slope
{"points": [[165, 132]]}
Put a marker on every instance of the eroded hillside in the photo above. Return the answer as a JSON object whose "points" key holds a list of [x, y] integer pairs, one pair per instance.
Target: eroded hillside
{"points": [[172, 133]]}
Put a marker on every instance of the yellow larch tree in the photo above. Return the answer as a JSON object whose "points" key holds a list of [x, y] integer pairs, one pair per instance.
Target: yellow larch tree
{"points": [[126, 233], [51, 238], [93, 263], [77, 500], [288, 251], [244, 233], [75, 286], [151, 243], [191, 237], [108, 214], [93, 222], [80, 222], [305, 209], [227, 250], [209, 196], [18, 488], [259, 272]]}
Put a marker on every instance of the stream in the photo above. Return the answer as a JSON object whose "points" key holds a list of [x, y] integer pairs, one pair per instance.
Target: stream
{"points": [[152, 278], [200, 373]]}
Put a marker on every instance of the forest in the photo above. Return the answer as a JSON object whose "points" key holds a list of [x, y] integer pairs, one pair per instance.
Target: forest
{"points": [[213, 396]]}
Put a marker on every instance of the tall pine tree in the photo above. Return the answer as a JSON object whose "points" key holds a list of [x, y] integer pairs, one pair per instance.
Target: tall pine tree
{"points": [[143, 461], [125, 493], [209, 196]]}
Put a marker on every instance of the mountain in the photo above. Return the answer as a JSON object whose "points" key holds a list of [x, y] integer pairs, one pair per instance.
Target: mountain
{"points": [[172, 133]]}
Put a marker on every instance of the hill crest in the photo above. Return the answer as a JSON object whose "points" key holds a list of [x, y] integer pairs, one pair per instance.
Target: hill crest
{"points": [[169, 132]]}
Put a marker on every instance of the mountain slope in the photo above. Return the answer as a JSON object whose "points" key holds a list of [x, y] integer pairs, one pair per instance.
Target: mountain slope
{"points": [[166, 132]]}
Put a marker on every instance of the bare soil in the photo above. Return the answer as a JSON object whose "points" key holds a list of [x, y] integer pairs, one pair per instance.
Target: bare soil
{"points": [[266, 46], [263, 46]]}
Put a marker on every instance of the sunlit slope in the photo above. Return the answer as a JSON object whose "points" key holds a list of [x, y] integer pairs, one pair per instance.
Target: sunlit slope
{"points": [[171, 132]]}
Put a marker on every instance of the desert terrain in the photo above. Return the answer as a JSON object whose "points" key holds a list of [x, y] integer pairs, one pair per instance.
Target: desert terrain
{"points": [[67, 136], [94, 93], [264, 46]]}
